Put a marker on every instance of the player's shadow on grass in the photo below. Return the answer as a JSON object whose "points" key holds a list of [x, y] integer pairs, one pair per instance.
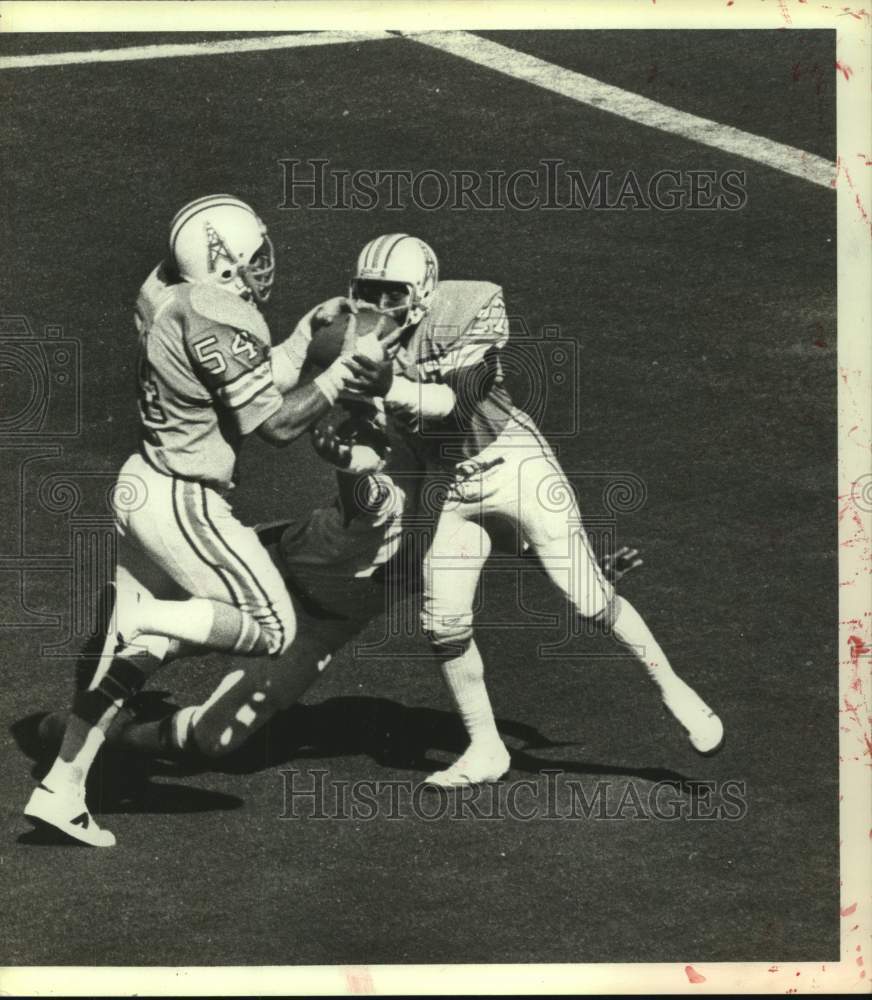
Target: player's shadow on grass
{"points": [[119, 783], [393, 735], [400, 737]]}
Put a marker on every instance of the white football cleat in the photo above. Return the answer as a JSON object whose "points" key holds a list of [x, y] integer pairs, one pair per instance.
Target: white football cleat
{"points": [[477, 765], [704, 729], [67, 812]]}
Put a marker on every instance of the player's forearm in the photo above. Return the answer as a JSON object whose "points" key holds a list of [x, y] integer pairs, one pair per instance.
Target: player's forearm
{"points": [[304, 405], [289, 356], [287, 362], [419, 399], [463, 389]]}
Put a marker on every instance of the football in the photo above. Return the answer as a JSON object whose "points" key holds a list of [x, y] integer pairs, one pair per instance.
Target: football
{"points": [[367, 327]]}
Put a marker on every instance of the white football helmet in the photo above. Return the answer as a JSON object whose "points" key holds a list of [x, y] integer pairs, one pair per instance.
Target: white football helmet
{"points": [[398, 274], [220, 240]]}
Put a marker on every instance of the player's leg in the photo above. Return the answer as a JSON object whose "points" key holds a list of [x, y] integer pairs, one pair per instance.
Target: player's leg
{"points": [[183, 537], [555, 531], [451, 571], [236, 600], [331, 610], [120, 672]]}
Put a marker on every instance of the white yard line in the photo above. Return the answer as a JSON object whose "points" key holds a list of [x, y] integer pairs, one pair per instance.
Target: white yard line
{"points": [[262, 43], [483, 52], [633, 107]]}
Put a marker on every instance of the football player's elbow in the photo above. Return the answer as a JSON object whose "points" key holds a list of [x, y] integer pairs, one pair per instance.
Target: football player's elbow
{"points": [[278, 430]]}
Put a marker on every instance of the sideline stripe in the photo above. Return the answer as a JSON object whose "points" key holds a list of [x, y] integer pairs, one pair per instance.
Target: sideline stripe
{"points": [[492, 55], [633, 107], [229, 46]]}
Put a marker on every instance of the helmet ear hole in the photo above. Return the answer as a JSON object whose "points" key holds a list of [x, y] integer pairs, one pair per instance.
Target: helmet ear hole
{"points": [[226, 274]]}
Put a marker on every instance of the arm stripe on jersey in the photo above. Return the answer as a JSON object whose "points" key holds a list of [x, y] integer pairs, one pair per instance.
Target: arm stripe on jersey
{"points": [[250, 399], [263, 367], [243, 389]]}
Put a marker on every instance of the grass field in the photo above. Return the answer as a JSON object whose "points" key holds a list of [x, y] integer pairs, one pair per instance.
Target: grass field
{"points": [[706, 346]]}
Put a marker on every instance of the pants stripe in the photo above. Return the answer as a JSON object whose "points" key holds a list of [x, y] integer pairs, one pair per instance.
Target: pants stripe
{"points": [[248, 577], [189, 535], [250, 632]]}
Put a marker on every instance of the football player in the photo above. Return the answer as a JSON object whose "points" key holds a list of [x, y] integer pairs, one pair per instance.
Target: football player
{"points": [[345, 564], [189, 574], [491, 459]]}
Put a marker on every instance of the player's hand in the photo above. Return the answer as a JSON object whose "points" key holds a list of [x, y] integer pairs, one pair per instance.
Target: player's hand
{"points": [[328, 312], [330, 447], [617, 564], [370, 377], [389, 336]]}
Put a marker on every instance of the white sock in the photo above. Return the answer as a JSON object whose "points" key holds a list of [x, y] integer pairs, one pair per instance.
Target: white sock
{"points": [[464, 676], [630, 629], [70, 775], [190, 620]]}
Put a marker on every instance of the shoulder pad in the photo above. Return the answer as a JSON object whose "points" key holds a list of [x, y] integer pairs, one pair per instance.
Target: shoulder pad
{"points": [[474, 293], [219, 306], [455, 308]]}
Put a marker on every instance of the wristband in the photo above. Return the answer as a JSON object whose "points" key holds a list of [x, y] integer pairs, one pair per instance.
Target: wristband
{"points": [[426, 400], [332, 381]]}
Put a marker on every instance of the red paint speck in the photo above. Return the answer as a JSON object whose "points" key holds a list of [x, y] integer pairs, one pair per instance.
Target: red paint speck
{"points": [[692, 975], [845, 70], [820, 343], [858, 648], [848, 910]]}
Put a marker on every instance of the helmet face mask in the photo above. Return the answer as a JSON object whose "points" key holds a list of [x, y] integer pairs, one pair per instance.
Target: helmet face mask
{"points": [[397, 274], [259, 273], [390, 297], [220, 240]]}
